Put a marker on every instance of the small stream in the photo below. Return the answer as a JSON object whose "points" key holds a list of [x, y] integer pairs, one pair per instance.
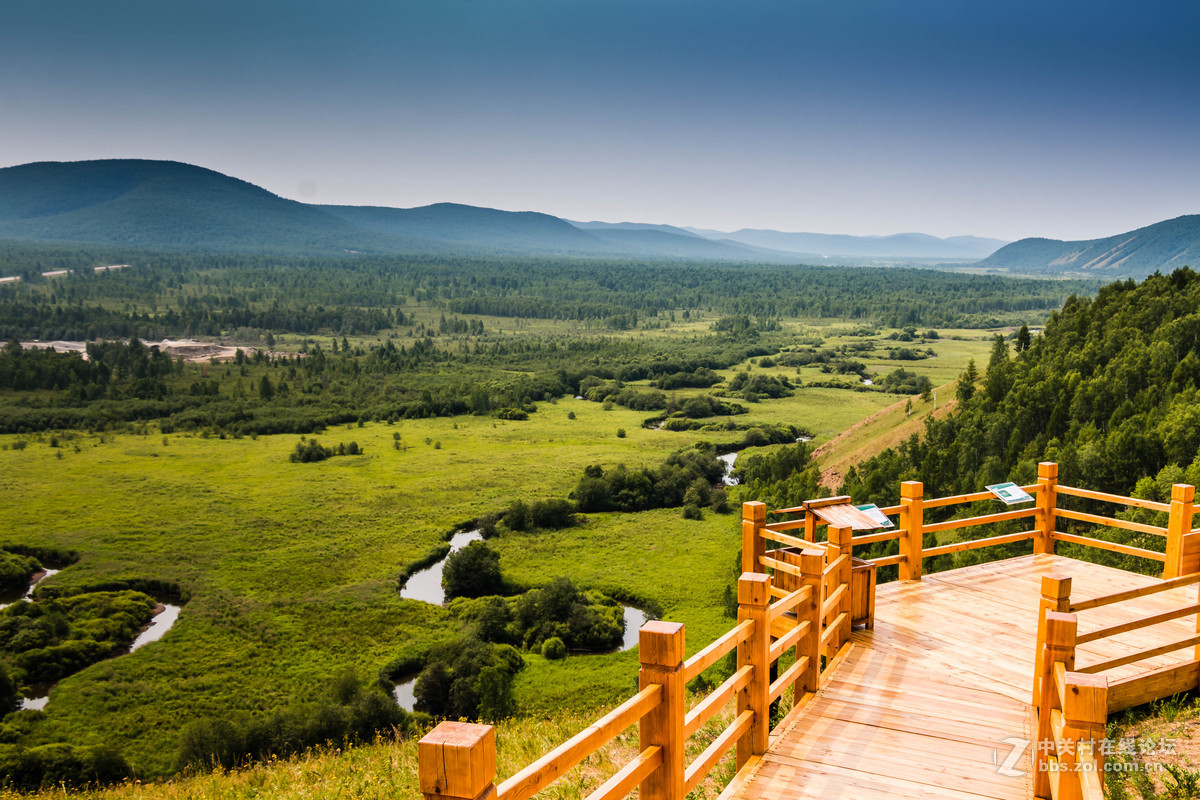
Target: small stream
{"points": [[160, 623], [28, 595], [163, 620], [426, 585], [728, 479], [635, 618]]}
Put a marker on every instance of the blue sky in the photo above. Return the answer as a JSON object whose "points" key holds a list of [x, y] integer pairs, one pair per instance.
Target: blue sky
{"points": [[1064, 119]]}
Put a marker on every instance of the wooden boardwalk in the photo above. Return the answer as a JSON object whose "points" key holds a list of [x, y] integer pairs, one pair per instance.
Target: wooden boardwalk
{"points": [[920, 706]]}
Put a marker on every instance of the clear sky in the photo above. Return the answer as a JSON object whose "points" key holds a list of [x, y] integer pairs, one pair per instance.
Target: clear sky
{"points": [[1005, 119]]}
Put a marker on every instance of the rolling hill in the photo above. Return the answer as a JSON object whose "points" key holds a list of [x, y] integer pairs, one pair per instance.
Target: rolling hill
{"points": [[836, 246], [1161, 247], [165, 204]]}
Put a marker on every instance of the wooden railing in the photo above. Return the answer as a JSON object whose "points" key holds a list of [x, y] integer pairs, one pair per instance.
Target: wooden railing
{"points": [[1074, 700], [457, 760], [1182, 548]]}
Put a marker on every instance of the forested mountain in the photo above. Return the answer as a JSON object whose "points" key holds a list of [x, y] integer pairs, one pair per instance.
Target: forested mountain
{"points": [[161, 204], [164, 204], [1161, 247], [1109, 391], [825, 245]]}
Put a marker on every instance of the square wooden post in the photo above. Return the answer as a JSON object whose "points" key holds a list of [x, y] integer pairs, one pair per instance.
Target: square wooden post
{"points": [[1060, 646], [754, 598], [660, 650], [1179, 528], [1056, 596], [1085, 722], [812, 564], [840, 539], [912, 525], [457, 761], [1047, 502], [754, 517]]}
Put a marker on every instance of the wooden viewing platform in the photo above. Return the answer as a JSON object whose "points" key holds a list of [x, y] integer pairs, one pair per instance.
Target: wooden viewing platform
{"points": [[948, 689], [920, 706]]}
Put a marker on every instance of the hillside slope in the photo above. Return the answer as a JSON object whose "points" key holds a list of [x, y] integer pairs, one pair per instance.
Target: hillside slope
{"points": [[1161, 247], [162, 204]]}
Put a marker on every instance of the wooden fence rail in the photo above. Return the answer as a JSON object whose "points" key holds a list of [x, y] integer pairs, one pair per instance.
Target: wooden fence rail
{"points": [[1073, 701], [1181, 556], [457, 760]]}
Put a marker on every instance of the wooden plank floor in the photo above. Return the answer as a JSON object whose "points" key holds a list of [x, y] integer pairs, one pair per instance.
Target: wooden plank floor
{"points": [[919, 707]]}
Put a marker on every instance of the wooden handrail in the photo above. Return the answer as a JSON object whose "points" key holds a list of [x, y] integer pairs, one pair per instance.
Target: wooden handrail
{"points": [[1113, 663], [1133, 594], [871, 538], [782, 538], [986, 519], [541, 773], [1137, 624], [975, 544], [713, 652], [1110, 522], [836, 564], [835, 598], [712, 754], [1104, 497], [779, 566], [788, 640], [779, 686], [716, 700], [885, 561], [630, 775], [1116, 547], [973, 497], [790, 601]]}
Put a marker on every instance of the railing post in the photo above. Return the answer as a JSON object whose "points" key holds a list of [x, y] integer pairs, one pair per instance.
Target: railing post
{"points": [[1060, 646], [1179, 526], [1047, 502], [754, 598], [754, 517], [912, 523], [1085, 722], [812, 564], [1056, 596], [660, 650], [457, 761], [840, 538]]}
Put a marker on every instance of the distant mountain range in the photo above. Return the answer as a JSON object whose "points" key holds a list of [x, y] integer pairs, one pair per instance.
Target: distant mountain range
{"points": [[900, 245], [1163, 246], [166, 204]]}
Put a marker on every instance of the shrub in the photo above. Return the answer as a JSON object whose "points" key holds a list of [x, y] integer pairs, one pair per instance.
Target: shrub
{"points": [[473, 571], [554, 649]]}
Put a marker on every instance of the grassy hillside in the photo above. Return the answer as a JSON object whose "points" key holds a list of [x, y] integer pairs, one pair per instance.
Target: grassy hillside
{"points": [[1162, 247]]}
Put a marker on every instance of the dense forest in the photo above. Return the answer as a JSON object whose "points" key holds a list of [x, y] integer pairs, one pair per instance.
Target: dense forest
{"points": [[1108, 391], [166, 294]]}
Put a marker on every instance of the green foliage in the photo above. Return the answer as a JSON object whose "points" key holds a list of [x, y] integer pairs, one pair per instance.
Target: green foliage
{"points": [[16, 570], [554, 649], [310, 450], [50, 639], [902, 381], [468, 679], [473, 571], [623, 489], [52, 765], [352, 713], [1108, 391]]}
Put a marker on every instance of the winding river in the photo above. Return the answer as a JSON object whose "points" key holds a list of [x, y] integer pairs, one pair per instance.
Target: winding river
{"points": [[163, 620], [426, 586]]}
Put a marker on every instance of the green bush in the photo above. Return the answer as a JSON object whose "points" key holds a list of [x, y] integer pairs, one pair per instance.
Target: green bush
{"points": [[473, 571], [554, 649]]}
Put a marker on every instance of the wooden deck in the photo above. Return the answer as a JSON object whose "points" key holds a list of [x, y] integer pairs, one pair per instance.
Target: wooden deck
{"points": [[919, 707]]}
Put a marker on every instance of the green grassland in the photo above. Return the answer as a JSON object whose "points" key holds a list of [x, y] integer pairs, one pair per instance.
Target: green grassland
{"points": [[291, 568]]}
